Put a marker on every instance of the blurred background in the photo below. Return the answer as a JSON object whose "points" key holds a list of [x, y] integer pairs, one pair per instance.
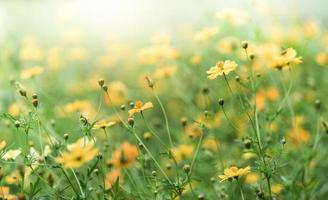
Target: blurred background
{"points": [[132, 18]]}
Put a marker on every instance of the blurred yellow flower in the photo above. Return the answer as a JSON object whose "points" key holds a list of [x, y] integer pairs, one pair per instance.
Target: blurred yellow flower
{"points": [[165, 72], [139, 107], [211, 144], [11, 154], [196, 59], [234, 173], [286, 59], [4, 193], [182, 152], [221, 68], [102, 124], [125, 155], [276, 188], [206, 34], [251, 178], [31, 72], [322, 58], [117, 92], [79, 153], [2, 144]]}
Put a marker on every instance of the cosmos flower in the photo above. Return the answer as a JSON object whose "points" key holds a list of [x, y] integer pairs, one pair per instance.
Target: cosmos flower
{"points": [[125, 155], [31, 72], [221, 68], [80, 152], [102, 124], [286, 59], [139, 107], [11, 154], [234, 173]]}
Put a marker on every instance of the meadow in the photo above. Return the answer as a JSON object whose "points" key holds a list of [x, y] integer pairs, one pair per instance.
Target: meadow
{"points": [[231, 108]]}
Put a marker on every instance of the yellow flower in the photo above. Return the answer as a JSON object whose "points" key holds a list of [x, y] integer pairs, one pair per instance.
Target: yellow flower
{"points": [[165, 72], [196, 59], [102, 124], [322, 58], [11, 154], [276, 188], [2, 144], [206, 34], [80, 152], [139, 107], [221, 68], [251, 178], [286, 59], [234, 173], [31, 72], [118, 92], [182, 152], [125, 155], [211, 144], [5, 194]]}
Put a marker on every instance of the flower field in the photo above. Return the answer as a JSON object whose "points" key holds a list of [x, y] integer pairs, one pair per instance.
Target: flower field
{"points": [[233, 106]]}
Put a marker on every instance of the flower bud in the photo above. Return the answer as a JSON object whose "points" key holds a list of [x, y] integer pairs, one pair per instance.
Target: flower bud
{"points": [[34, 96], [66, 136], [131, 121], [123, 107], [35, 102], [154, 173], [22, 92], [101, 82], [186, 168], [244, 44], [17, 124], [105, 88], [221, 102], [150, 82]]}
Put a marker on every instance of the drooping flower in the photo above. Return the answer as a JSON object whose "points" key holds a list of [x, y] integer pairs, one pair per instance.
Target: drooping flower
{"points": [[125, 155], [221, 68], [80, 152], [234, 173], [286, 59], [139, 107]]}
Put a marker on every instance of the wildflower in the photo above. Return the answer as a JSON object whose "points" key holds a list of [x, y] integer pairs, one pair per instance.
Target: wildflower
{"points": [[111, 177], [251, 178], [4, 193], [322, 58], [286, 59], [196, 59], [118, 93], [234, 173], [11, 154], [165, 72], [80, 152], [139, 107], [102, 124], [193, 130], [125, 155], [31, 72], [221, 68], [276, 188], [211, 144], [206, 34], [2, 144], [183, 152]]}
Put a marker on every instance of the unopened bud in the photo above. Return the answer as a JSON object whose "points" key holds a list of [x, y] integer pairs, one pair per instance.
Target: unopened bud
{"points": [[150, 82], [221, 102], [244, 44], [131, 121], [101, 82]]}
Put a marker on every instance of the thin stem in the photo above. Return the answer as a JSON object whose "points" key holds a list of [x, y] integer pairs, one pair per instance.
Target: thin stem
{"points": [[241, 190], [165, 117]]}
